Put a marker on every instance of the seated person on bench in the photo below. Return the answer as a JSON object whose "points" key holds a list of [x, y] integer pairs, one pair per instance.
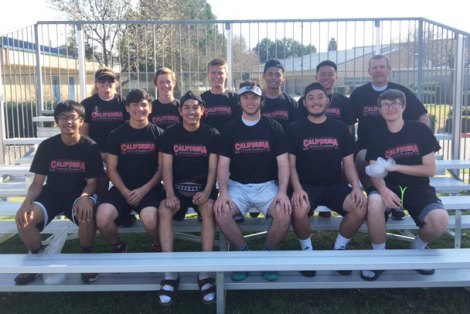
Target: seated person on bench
{"points": [[318, 145], [71, 163], [412, 146], [253, 172], [132, 164], [189, 162]]}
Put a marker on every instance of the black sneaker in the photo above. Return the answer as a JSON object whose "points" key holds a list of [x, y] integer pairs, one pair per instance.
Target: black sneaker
{"points": [[120, 248], [343, 272], [308, 273], [398, 214], [89, 277], [24, 278]]}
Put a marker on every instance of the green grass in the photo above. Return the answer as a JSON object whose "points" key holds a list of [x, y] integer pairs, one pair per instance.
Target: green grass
{"points": [[433, 300]]}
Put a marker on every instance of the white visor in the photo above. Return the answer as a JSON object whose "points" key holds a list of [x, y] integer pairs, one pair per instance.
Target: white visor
{"points": [[250, 89]]}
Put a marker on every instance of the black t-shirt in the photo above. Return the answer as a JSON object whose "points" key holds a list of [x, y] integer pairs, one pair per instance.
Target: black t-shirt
{"points": [[339, 109], [364, 103], [406, 147], [220, 109], [190, 151], [67, 167], [137, 151], [164, 115], [253, 149], [284, 109], [319, 149], [104, 116]]}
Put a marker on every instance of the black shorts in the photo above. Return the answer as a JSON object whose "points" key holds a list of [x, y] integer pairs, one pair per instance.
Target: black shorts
{"points": [[115, 198], [52, 206], [418, 201], [331, 196], [187, 202]]}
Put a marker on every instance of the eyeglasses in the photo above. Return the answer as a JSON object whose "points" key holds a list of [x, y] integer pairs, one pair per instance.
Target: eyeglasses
{"points": [[66, 118], [110, 81], [392, 105]]}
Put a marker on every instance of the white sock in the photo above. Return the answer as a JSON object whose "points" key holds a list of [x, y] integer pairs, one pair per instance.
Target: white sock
{"points": [[418, 243], [306, 244], [170, 276], [378, 246], [210, 296], [341, 242]]}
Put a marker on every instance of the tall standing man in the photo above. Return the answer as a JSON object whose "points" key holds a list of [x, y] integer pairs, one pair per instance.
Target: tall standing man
{"points": [[253, 172], [318, 146], [221, 105], [364, 102], [339, 106], [277, 104], [72, 164]]}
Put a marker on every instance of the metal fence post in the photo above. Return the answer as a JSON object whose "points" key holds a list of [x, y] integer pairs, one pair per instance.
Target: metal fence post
{"points": [[228, 29], [81, 61], [377, 37], [420, 59], [457, 96], [3, 156], [39, 84]]}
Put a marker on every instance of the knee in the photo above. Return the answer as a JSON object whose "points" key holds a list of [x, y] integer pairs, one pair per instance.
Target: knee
{"points": [[279, 216], [149, 217], [105, 214], [438, 220]]}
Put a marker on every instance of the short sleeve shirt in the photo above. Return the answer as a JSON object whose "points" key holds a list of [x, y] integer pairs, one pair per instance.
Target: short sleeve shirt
{"points": [[164, 115], [339, 109], [364, 102], [67, 167], [284, 109], [220, 109], [137, 152], [319, 150], [103, 116], [253, 149], [190, 151], [406, 147]]}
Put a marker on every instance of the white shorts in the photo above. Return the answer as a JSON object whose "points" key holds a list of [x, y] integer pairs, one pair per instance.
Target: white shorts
{"points": [[252, 195]]}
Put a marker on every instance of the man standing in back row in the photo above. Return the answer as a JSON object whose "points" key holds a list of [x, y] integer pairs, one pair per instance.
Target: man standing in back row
{"points": [[221, 105], [364, 102], [277, 104]]}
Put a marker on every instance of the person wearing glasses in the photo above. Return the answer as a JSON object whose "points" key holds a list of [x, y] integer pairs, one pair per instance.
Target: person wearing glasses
{"points": [[104, 111], [66, 167], [412, 146]]}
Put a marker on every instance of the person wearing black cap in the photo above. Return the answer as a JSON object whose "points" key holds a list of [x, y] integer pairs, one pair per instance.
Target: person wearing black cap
{"points": [[221, 105], [277, 104], [104, 111], [317, 147], [253, 172], [133, 168], [189, 163]]}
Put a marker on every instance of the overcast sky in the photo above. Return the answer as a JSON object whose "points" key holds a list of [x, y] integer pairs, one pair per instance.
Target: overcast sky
{"points": [[15, 14]]}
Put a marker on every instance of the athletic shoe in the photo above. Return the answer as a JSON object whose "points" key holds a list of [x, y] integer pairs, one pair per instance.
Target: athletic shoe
{"points": [[308, 273], [120, 248], [343, 272], [24, 278], [426, 272], [89, 277], [398, 214], [324, 214], [375, 274], [271, 275], [239, 275]]}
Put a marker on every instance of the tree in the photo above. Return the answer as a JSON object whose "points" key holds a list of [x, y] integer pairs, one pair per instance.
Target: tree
{"points": [[281, 49], [105, 36], [332, 45]]}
